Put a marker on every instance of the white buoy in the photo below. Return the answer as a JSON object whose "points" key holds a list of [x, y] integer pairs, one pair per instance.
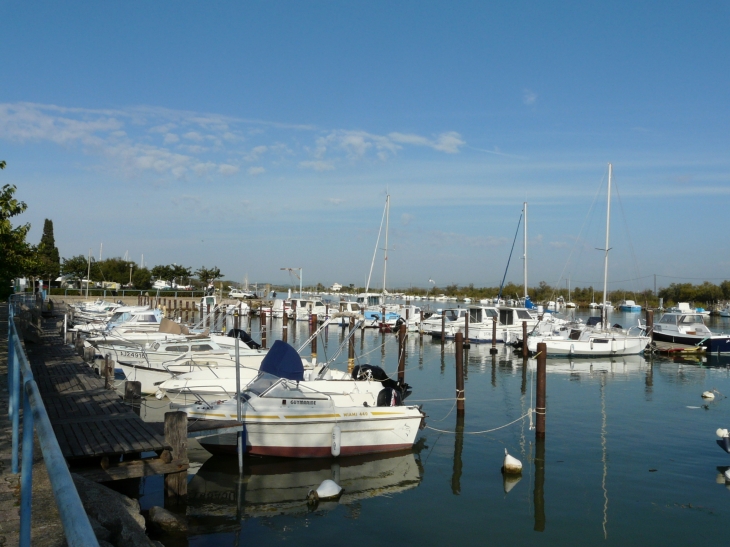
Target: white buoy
{"points": [[327, 490], [708, 395], [511, 465], [722, 433], [727, 475]]}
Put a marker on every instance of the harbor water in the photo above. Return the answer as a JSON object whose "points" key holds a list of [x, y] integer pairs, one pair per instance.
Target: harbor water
{"points": [[629, 458]]}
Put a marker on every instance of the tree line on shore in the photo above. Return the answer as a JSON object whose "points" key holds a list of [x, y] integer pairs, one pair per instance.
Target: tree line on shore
{"points": [[20, 258]]}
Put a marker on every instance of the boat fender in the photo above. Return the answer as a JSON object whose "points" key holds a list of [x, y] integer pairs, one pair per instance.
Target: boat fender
{"points": [[336, 438]]}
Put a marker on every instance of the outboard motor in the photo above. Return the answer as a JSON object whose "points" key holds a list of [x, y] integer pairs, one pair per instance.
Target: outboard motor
{"points": [[245, 337], [398, 324], [389, 397], [363, 372]]}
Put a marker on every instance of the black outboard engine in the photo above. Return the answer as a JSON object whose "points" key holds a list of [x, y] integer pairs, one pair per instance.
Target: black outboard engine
{"points": [[398, 324], [389, 397], [363, 372], [245, 337]]}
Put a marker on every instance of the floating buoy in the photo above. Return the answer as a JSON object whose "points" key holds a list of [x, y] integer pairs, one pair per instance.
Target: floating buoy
{"points": [[327, 490], [511, 465], [727, 475], [722, 433], [708, 395]]}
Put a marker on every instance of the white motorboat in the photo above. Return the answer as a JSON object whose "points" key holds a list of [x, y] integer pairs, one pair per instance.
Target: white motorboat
{"points": [[689, 328], [509, 323], [451, 320], [141, 318], [288, 418]]}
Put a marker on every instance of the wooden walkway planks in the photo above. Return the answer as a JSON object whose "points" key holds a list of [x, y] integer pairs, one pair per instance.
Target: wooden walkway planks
{"points": [[89, 420]]}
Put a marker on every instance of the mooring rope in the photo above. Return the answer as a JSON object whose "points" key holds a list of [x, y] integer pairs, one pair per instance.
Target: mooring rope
{"points": [[528, 414]]}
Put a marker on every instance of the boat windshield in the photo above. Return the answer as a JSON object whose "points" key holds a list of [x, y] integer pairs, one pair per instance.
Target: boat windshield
{"points": [[260, 384], [690, 319]]}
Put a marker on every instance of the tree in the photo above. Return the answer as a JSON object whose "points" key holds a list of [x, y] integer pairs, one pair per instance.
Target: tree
{"points": [[16, 255], [48, 257], [142, 279], [206, 275], [75, 267]]}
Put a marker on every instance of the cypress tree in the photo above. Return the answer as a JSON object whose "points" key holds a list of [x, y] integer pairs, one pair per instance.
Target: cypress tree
{"points": [[48, 252]]}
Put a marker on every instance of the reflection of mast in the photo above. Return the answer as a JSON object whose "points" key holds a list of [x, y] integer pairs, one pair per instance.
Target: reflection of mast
{"points": [[603, 456]]}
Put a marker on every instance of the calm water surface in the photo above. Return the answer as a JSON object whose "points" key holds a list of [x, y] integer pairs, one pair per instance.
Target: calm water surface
{"points": [[629, 459]]}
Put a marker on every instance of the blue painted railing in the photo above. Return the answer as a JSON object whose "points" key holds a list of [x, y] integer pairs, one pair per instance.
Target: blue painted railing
{"points": [[22, 386]]}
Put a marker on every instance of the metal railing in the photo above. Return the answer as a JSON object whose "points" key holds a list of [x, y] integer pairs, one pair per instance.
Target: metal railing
{"points": [[22, 385]]}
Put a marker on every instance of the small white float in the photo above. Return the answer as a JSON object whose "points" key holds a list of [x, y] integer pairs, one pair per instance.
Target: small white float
{"points": [[708, 395], [328, 490], [511, 465]]}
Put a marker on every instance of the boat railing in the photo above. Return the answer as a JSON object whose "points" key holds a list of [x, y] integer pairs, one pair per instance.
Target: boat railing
{"points": [[22, 387]]}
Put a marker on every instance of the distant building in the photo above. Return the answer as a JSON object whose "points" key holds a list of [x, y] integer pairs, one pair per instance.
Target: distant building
{"points": [[336, 287]]}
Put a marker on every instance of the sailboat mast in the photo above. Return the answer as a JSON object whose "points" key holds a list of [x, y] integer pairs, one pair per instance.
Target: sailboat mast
{"points": [[387, 220], [604, 315], [524, 256]]}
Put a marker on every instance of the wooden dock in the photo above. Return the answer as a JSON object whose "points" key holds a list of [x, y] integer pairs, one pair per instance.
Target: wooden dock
{"points": [[99, 435]]}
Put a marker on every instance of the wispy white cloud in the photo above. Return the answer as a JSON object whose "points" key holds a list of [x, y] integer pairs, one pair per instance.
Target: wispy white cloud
{"points": [[335, 201], [253, 171], [189, 145], [227, 169], [529, 97], [317, 165]]}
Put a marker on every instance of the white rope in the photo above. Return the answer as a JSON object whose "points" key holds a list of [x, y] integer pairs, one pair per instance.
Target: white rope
{"points": [[529, 413]]}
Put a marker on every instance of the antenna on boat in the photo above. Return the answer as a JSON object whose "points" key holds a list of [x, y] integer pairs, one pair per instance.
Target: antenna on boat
{"points": [[524, 255]]}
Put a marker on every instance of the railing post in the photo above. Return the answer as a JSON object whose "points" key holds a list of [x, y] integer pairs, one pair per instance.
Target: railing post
{"points": [[14, 363], [26, 476]]}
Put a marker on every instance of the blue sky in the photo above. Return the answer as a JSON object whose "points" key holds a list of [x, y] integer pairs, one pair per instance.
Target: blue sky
{"points": [[261, 135]]}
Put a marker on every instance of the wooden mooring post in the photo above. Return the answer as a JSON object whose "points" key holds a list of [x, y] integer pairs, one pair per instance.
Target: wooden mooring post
{"points": [[460, 398], [108, 372], [524, 339], [263, 329], [493, 349], [402, 354], [176, 435], [133, 395], [443, 327], [650, 323], [466, 329], [420, 327], [351, 347], [540, 388], [284, 328], [313, 329]]}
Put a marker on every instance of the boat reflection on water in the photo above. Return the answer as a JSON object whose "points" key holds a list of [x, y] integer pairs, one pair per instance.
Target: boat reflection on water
{"points": [[272, 486]]}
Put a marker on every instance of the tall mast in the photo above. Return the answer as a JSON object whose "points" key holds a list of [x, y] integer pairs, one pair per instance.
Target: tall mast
{"points": [[604, 315], [387, 219], [524, 256]]}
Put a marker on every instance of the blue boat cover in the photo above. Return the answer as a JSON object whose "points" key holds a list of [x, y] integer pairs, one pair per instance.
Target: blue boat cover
{"points": [[528, 303], [283, 361]]}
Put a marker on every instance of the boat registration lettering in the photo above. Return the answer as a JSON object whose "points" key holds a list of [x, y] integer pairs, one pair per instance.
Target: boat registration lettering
{"points": [[355, 414], [302, 402], [131, 354]]}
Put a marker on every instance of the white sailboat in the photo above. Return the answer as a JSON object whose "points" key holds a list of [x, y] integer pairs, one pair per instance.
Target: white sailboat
{"points": [[599, 340]]}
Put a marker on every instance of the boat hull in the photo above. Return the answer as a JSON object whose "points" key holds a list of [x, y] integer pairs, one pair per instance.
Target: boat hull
{"points": [[313, 439], [592, 348]]}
